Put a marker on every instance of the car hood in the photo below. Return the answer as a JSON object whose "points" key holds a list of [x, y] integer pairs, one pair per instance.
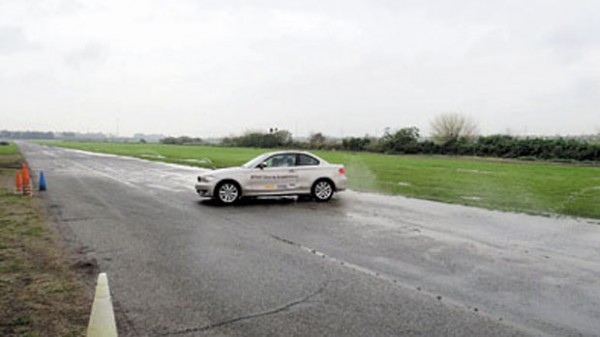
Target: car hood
{"points": [[226, 171]]}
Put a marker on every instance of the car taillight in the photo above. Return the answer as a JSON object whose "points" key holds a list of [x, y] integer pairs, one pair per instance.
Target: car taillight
{"points": [[342, 171]]}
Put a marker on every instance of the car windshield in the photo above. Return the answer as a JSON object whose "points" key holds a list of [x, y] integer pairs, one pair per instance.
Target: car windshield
{"points": [[255, 161]]}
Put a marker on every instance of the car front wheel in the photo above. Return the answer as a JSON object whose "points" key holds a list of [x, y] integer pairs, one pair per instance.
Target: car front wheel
{"points": [[322, 190], [228, 192]]}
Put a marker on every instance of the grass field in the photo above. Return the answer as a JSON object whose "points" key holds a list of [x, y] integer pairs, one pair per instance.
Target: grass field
{"points": [[10, 149], [531, 187], [39, 294]]}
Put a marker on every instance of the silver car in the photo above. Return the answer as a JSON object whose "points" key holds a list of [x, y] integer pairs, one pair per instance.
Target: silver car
{"points": [[275, 174]]}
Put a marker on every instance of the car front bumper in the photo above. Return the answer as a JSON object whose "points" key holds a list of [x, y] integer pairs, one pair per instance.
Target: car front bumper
{"points": [[205, 189]]}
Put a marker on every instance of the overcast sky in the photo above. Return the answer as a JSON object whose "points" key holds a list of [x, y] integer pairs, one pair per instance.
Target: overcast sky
{"points": [[214, 68]]}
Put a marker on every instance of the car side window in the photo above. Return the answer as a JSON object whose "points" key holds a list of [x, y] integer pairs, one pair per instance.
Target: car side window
{"points": [[306, 160], [281, 160]]}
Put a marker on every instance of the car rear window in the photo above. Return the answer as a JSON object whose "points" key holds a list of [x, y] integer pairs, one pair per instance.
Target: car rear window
{"points": [[306, 160]]}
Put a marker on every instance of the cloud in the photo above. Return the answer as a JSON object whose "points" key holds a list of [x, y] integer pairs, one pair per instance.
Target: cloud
{"points": [[67, 7], [316, 64], [571, 43], [13, 40], [92, 53]]}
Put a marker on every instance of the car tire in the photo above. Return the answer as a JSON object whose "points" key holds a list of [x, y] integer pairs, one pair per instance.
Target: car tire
{"points": [[322, 190], [227, 192]]}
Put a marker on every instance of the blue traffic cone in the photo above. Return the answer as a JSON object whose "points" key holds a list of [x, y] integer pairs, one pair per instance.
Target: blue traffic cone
{"points": [[42, 181]]}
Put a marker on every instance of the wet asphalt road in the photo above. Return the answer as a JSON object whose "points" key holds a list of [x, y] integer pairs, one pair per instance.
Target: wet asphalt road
{"points": [[360, 265]]}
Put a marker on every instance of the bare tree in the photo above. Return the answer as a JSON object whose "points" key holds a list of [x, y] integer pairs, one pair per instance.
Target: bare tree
{"points": [[453, 126]]}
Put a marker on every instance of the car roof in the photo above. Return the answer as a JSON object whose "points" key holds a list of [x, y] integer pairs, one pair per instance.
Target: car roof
{"points": [[295, 152], [291, 151]]}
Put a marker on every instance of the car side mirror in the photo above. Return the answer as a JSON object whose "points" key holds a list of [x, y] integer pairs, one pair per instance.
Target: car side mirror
{"points": [[262, 165]]}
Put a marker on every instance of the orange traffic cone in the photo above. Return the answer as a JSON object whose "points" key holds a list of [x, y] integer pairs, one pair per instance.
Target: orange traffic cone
{"points": [[26, 181], [19, 183], [25, 172]]}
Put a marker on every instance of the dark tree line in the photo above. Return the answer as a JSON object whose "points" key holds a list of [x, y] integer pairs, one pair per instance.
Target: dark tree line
{"points": [[26, 135], [279, 138], [183, 140], [530, 148], [409, 141]]}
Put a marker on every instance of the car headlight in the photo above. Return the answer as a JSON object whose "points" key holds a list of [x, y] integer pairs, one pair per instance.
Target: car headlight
{"points": [[207, 178]]}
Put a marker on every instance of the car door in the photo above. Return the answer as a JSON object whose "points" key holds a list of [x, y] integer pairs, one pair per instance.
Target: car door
{"points": [[278, 176]]}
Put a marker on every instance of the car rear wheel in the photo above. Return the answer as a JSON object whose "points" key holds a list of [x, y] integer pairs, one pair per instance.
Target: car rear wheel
{"points": [[322, 190], [228, 192]]}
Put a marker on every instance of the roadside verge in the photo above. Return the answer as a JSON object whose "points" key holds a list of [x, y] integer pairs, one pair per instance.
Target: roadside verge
{"points": [[40, 294]]}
